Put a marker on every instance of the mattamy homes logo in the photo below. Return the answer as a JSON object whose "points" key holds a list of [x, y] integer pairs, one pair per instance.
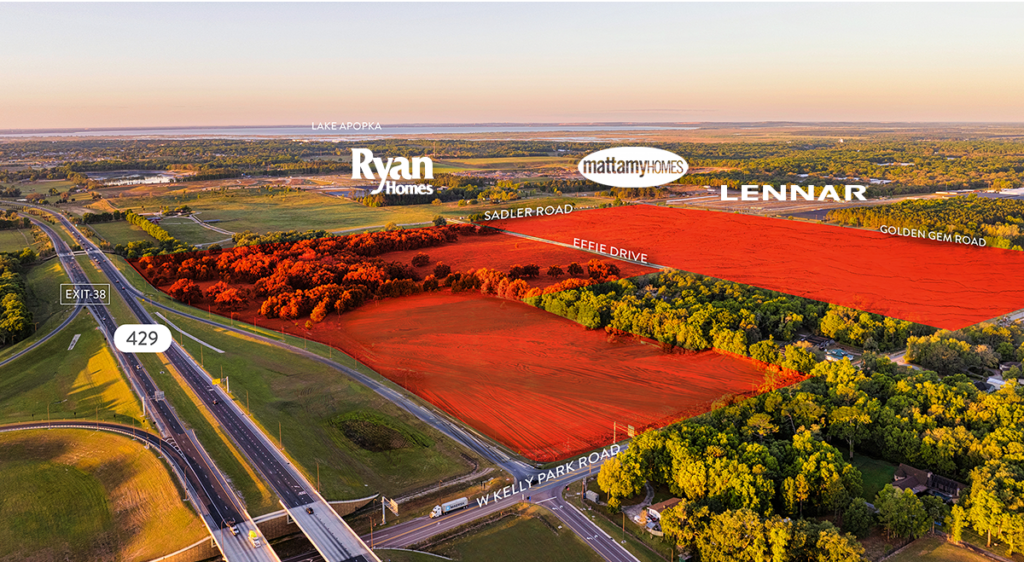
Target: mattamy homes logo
{"points": [[633, 166], [396, 169]]}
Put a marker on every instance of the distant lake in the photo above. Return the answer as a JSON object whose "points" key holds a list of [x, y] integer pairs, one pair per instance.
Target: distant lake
{"points": [[309, 133], [131, 177]]}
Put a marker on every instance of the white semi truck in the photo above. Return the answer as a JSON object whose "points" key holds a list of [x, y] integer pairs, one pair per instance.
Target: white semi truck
{"points": [[446, 508]]}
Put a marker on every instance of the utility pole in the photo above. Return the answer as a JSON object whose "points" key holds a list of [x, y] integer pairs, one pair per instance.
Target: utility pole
{"points": [[279, 439], [318, 477]]}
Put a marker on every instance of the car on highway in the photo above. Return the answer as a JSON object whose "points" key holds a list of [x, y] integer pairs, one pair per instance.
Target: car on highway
{"points": [[234, 530], [309, 510], [214, 401]]}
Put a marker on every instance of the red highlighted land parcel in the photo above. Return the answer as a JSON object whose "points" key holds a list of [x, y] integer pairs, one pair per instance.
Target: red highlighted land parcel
{"points": [[544, 386], [939, 284]]}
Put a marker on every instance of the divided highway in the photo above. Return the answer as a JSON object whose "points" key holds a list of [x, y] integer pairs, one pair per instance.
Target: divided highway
{"points": [[331, 536], [210, 493]]}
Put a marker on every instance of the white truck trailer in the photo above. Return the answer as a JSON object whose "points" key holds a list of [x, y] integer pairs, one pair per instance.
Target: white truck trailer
{"points": [[446, 508]]}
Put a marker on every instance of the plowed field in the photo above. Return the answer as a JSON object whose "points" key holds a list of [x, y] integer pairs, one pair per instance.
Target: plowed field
{"points": [[940, 284], [543, 385]]}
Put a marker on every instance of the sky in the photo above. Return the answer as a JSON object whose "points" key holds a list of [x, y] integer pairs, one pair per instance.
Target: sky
{"points": [[230, 64]]}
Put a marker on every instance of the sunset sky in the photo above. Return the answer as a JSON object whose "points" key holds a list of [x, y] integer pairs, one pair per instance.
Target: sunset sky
{"points": [[130, 65]]}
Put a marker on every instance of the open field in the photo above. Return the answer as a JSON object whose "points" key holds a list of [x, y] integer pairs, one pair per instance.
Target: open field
{"points": [[80, 495], [120, 232], [84, 383], [543, 385], [532, 534], [934, 549], [938, 284], [188, 231], [362, 442], [16, 240], [266, 210]]}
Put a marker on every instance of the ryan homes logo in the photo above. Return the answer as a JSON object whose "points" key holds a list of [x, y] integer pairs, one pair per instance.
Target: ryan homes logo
{"points": [[395, 169]]}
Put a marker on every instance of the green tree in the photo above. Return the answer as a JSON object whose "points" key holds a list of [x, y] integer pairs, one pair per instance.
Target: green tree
{"points": [[761, 425], [936, 509], [857, 518], [765, 351], [835, 547], [795, 491], [957, 520], [996, 497], [901, 513], [850, 423], [619, 481], [439, 221], [798, 359], [835, 497]]}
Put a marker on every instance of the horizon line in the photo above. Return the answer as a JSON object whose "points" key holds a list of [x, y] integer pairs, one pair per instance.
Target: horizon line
{"points": [[11, 131]]}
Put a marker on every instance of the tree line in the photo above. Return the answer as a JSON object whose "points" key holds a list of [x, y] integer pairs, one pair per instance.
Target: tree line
{"points": [[15, 316], [999, 221], [694, 312]]}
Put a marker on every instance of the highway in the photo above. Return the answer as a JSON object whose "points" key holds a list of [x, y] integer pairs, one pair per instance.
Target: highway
{"points": [[331, 536], [213, 498]]}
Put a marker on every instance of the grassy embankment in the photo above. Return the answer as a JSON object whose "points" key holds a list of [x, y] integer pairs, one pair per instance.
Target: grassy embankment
{"points": [[119, 232], [257, 496], [43, 282], [82, 495], [85, 382], [186, 230], [16, 240]]}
